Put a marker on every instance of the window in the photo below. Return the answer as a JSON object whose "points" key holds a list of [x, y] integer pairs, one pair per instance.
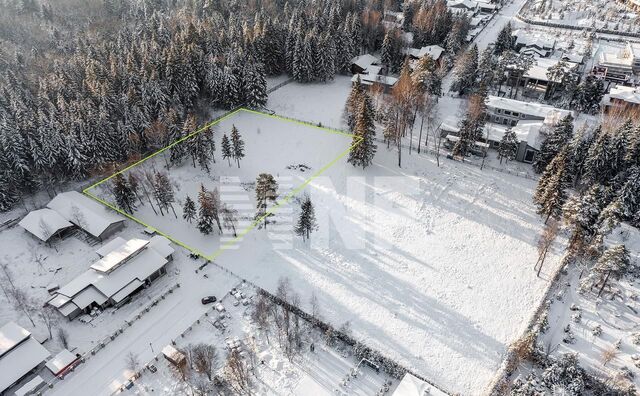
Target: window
{"points": [[515, 114], [529, 156], [522, 116], [507, 112], [499, 111], [505, 122], [513, 123]]}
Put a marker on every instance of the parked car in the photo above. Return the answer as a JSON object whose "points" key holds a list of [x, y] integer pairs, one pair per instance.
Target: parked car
{"points": [[152, 368], [209, 300]]}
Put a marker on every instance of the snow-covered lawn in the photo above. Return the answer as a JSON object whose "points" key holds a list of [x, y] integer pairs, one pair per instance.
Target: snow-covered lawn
{"points": [[272, 145]]}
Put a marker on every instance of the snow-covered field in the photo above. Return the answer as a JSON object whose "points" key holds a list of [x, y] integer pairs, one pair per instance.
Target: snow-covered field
{"points": [[433, 266], [272, 146]]}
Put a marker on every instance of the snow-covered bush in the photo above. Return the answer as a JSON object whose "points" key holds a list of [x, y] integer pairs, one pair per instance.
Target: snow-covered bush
{"points": [[565, 373], [635, 338], [596, 331], [577, 317]]}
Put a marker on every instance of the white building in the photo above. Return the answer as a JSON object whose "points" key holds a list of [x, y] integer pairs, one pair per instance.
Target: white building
{"points": [[434, 51], [622, 98], [87, 214], [20, 355], [124, 267]]}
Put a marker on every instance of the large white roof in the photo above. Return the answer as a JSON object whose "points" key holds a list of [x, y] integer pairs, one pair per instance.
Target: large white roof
{"points": [[119, 255], [84, 212], [541, 66], [529, 108], [525, 130], [44, 223], [413, 386], [59, 362], [11, 335], [435, 51], [95, 286], [20, 360], [627, 94], [110, 246]]}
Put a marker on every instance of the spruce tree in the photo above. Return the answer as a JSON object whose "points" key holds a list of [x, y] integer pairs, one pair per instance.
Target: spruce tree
{"points": [[504, 40], [630, 197], [189, 209], [226, 149], [163, 192], [307, 219], [550, 194], [508, 146], [555, 141], [124, 195], [238, 145]]}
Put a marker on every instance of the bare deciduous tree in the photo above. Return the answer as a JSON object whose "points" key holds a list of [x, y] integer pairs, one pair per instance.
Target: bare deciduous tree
{"points": [[63, 337], [205, 359], [237, 373], [49, 317], [132, 361], [545, 241]]}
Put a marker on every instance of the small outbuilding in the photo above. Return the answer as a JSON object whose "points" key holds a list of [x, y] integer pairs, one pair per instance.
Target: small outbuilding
{"points": [[45, 224], [87, 214], [20, 355], [62, 363], [174, 356]]}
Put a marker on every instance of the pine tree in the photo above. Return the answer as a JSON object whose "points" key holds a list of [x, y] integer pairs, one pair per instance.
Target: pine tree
{"points": [[266, 190], [555, 141], [226, 149], [189, 209], [124, 195], [599, 159], [465, 71], [205, 213], [550, 194], [508, 145], [238, 145], [353, 102], [307, 220], [363, 146]]}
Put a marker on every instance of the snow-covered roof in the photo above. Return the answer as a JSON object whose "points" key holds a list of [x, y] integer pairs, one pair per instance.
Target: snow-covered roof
{"points": [[633, 48], [435, 51], [83, 212], [44, 223], [32, 386], [97, 286], [624, 93], [369, 79], [528, 108], [541, 66], [525, 130], [110, 246], [11, 334], [21, 357], [413, 386], [120, 255], [366, 60], [61, 361], [530, 40], [465, 4], [608, 59]]}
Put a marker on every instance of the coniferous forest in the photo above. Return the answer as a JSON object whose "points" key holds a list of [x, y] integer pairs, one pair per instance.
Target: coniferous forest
{"points": [[90, 85]]}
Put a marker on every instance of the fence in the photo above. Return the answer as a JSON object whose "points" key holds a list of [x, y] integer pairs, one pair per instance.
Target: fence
{"points": [[577, 28], [282, 84]]}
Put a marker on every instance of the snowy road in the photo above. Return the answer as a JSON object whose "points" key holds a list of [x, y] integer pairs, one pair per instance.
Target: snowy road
{"points": [[490, 32], [104, 373]]}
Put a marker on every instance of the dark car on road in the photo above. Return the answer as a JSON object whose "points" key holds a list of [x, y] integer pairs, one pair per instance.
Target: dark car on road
{"points": [[209, 299]]}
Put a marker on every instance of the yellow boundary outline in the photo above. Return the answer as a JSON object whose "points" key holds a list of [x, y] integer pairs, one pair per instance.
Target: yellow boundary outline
{"points": [[256, 222]]}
